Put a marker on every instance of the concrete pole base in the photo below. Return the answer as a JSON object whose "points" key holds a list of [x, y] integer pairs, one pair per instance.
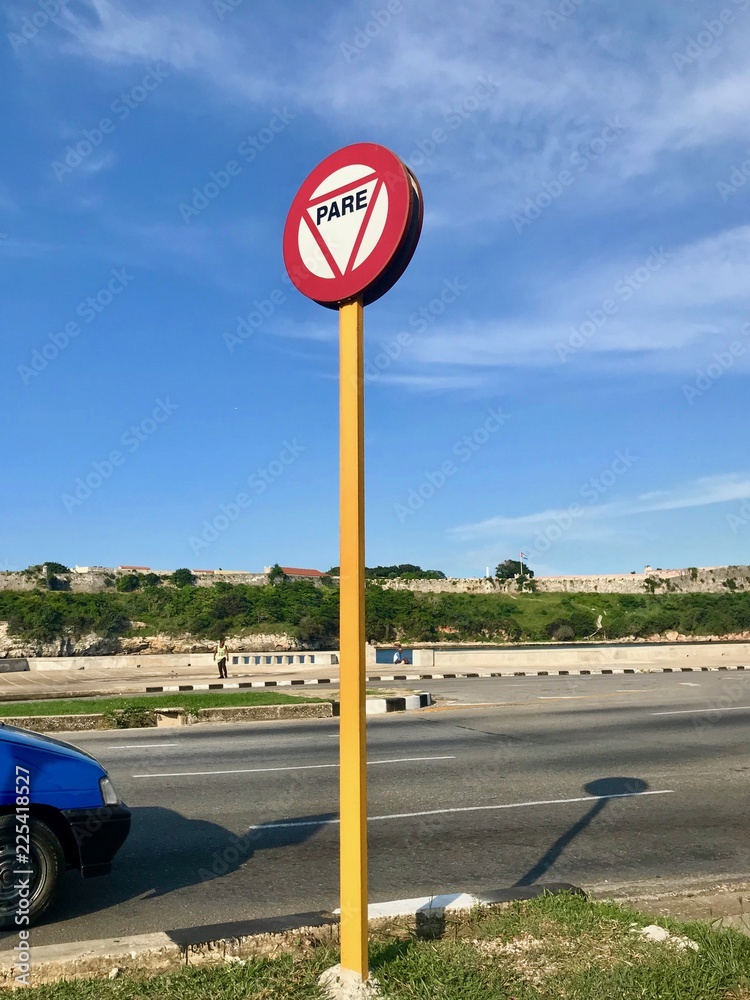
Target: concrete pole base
{"points": [[342, 984]]}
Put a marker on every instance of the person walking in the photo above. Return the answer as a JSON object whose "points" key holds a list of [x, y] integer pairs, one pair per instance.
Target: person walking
{"points": [[221, 653]]}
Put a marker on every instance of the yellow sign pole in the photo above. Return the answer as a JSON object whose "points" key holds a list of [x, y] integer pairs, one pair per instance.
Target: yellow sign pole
{"points": [[352, 731]]}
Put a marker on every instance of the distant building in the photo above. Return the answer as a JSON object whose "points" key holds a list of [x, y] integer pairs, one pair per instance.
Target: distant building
{"points": [[298, 574], [134, 569]]}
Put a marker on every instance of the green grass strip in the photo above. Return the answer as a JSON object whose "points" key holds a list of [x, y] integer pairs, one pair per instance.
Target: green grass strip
{"points": [[189, 700], [546, 949]]}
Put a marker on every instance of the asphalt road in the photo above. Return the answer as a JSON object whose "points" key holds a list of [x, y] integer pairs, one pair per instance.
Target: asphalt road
{"points": [[500, 788]]}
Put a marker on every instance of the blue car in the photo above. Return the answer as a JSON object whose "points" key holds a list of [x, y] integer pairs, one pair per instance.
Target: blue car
{"points": [[58, 810]]}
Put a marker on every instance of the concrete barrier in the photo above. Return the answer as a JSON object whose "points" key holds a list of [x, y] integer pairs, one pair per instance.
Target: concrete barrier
{"points": [[174, 717], [12, 665], [267, 713], [678, 654], [59, 723], [305, 659], [176, 661]]}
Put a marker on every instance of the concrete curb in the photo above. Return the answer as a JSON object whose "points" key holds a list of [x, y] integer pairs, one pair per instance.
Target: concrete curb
{"points": [[458, 675], [426, 907], [220, 943], [551, 673], [240, 686], [239, 713]]}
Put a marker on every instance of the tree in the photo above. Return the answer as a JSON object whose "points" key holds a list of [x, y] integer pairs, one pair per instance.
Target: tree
{"points": [[511, 568], [128, 583], [182, 578], [276, 575], [56, 567], [151, 580]]}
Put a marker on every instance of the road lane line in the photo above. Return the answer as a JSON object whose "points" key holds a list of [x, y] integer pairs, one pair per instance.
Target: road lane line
{"points": [[298, 767], [465, 809], [140, 746], [583, 697], [702, 711]]}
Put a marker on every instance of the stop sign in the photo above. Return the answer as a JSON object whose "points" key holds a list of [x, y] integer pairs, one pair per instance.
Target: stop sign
{"points": [[353, 225]]}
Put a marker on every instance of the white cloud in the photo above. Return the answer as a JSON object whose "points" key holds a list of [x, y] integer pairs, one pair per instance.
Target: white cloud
{"points": [[429, 383]]}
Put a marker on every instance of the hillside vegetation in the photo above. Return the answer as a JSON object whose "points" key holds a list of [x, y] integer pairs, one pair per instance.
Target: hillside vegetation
{"points": [[310, 614]]}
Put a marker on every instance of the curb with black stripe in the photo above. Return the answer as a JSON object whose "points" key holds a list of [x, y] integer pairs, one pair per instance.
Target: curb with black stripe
{"points": [[301, 682]]}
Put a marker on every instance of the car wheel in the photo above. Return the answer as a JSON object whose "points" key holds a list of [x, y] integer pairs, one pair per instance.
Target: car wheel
{"points": [[45, 864]]}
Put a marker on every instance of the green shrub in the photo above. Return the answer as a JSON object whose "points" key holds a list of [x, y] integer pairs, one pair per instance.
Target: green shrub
{"points": [[560, 630], [583, 623]]}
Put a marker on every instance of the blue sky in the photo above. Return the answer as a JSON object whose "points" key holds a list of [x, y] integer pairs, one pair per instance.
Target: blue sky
{"points": [[563, 368]]}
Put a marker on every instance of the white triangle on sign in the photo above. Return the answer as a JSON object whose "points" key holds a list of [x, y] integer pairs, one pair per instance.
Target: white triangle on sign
{"points": [[339, 220]]}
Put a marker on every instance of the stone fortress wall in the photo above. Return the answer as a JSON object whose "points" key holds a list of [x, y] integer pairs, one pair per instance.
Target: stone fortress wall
{"points": [[711, 579], [705, 580], [98, 579]]}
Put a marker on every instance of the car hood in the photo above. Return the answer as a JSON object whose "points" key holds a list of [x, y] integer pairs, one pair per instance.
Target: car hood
{"points": [[22, 737]]}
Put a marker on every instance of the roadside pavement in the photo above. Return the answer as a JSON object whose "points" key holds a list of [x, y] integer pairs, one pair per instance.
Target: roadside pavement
{"points": [[95, 679]]}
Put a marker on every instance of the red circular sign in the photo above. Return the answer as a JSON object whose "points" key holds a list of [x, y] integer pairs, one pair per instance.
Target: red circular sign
{"points": [[353, 225]]}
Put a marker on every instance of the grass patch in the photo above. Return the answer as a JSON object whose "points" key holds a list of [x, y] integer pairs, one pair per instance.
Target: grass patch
{"points": [[191, 701], [555, 948]]}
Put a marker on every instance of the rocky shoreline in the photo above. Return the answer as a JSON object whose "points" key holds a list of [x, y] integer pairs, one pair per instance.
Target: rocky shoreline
{"points": [[96, 645]]}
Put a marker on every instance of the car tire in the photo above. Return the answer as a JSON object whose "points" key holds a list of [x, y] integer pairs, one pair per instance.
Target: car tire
{"points": [[47, 862]]}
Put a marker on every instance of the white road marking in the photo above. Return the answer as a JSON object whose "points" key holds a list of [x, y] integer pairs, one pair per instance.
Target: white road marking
{"points": [[298, 767], [689, 684], [465, 809], [140, 746], [702, 711]]}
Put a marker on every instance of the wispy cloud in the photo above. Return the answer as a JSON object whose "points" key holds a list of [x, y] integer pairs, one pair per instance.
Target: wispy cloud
{"points": [[666, 318], [700, 492]]}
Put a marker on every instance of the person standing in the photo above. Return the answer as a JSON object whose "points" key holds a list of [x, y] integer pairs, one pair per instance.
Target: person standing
{"points": [[221, 654]]}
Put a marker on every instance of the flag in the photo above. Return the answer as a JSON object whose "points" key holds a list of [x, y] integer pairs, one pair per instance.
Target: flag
{"points": [[524, 556]]}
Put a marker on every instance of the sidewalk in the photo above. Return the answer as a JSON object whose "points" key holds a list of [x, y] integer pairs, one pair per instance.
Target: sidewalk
{"points": [[96, 680]]}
